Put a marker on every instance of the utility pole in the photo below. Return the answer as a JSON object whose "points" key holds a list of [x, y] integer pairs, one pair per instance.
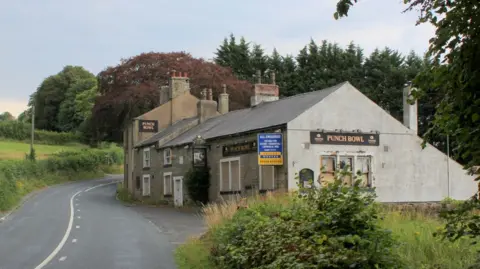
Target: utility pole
{"points": [[32, 131]]}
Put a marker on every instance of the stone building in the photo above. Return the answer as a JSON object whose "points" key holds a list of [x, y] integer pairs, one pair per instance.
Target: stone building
{"points": [[293, 138]]}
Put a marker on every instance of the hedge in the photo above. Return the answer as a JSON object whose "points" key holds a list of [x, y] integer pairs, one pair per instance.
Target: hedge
{"points": [[18, 177], [16, 130]]}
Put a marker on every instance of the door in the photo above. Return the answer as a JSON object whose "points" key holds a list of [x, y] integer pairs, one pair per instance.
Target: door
{"points": [[178, 191]]}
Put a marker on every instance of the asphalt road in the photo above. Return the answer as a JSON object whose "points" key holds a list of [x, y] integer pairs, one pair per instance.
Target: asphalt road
{"points": [[101, 232]]}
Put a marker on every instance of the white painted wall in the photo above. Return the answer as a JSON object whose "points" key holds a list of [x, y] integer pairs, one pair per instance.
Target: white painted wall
{"points": [[402, 171]]}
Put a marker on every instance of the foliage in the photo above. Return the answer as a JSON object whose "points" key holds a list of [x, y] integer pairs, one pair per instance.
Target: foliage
{"points": [[54, 99], [6, 116], [18, 177], [31, 156], [334, 227], [198, 184], [15, 150], [21, 131]]}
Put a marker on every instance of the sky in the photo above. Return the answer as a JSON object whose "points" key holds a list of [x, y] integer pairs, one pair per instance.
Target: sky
{"points": [[38, 38]]}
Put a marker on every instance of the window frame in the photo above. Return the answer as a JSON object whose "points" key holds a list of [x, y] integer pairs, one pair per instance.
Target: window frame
{"points": [[167, 158], [354, 155], [166, 174], [144, 160], [230, 160], [146, 176]]}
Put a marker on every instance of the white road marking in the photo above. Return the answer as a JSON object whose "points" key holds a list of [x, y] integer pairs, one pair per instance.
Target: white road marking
{"points": [[74, 240], [78, 210], [78, 217], [62, 258], [78, 226], [69, 228], [76, 204]]}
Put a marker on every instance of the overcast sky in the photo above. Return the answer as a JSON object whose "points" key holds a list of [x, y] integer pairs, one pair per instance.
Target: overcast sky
{"points": [[39, 37]]}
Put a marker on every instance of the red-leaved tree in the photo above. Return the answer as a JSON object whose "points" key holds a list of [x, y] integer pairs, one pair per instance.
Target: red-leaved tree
{"points": [[132, 88]]}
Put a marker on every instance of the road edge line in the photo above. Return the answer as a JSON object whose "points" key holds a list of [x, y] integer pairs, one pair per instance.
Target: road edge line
{"points": [[69, 228]]}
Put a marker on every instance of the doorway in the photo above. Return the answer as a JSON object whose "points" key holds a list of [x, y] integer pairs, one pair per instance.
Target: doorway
{"points": [[178, 191]]}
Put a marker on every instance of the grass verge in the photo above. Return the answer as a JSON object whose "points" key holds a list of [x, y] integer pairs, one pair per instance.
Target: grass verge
{"points": [[413, 230], [14, 150]]}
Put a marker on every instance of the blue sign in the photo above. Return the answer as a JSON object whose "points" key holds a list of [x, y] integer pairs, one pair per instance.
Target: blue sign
{"points": [[270, 149]]}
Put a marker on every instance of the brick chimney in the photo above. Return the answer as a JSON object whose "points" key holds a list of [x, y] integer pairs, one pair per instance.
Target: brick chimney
{"points": [[206, 106], [223, 106], [178, 84], [264, 92]]}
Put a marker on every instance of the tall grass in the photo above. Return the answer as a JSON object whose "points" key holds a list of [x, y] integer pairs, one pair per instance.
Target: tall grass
{"points": [[21, 131], [412, 228]]}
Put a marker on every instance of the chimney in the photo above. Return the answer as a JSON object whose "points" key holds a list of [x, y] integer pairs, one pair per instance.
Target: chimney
{"points": [[273, 77], [206, 108], [179, 84], [259, 77], [264, 92], [410, 112], [223, 101]]}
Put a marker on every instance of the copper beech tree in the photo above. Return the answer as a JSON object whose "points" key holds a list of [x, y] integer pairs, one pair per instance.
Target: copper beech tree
{"points": [[132, 88]]}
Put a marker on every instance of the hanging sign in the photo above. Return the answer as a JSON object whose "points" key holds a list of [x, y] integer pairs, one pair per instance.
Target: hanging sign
{"points": [[334, 138], [270, 149], [148, 126]]}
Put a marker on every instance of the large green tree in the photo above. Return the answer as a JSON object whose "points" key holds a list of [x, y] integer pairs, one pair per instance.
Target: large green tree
{"points": [[54, 99]]}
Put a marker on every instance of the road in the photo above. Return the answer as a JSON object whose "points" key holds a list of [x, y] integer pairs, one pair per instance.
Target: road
{"points": [[101, 232]]}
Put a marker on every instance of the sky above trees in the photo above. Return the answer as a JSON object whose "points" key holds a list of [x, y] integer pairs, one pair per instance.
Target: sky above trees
{"points": [[41, 38]]}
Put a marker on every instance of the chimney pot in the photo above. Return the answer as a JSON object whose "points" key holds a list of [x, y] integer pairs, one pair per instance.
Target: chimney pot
{"points": [[180, 74], [210, 97], [174, 73], [185, 74], [224, 88], [259, 77]]}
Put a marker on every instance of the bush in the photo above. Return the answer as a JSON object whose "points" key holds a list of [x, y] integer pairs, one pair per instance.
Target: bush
{"points": [[334, 227], [21, 131], [198, 184], [18, 177]]}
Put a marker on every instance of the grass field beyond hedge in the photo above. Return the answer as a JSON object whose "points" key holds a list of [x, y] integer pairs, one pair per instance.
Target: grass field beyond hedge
{"points": [[418, 248], [13, 150]]}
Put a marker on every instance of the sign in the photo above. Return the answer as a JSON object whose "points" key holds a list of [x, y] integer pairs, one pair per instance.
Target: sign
{"points": [[270, 149], [148, 126], [240, 148], [333, 138], [199, 157]]}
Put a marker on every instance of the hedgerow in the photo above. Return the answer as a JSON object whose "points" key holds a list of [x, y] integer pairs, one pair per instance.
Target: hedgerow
{"points": [[21, 131], [18, 177]]}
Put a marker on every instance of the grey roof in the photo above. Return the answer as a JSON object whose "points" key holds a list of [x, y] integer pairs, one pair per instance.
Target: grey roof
{"points": [[264, 115], [166, 131]]}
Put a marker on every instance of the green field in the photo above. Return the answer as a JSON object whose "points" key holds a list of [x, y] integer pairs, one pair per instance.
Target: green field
{"points": [[13, 150]]}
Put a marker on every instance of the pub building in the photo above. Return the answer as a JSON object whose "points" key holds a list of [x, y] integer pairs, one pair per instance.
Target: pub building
{"points": [[280, 143]]}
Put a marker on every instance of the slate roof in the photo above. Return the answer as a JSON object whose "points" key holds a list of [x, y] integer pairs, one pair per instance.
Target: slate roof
{"points": [[264, 115], [166, 131]]}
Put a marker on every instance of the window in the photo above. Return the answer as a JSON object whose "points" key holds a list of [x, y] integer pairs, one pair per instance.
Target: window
{"points": [[267, 177], [346, 164], [146, 185], [167, 156], [146, 157], [138, 183], [363, 167], [167, 184], [230, 175], [180, 160], [328, 167]]}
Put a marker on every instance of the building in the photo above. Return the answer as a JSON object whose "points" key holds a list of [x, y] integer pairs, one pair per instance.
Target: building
{"points": [[295, 137]]}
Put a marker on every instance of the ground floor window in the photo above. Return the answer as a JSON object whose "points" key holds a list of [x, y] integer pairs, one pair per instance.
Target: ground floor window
{"points": [[267, 177], [356, 166], [146, 185], [167, 184], [230, 176]]}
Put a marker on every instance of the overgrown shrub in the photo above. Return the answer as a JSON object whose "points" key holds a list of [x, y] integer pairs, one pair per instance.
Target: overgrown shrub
{"points": [[16, 130], [332, 227], [198, 184]]}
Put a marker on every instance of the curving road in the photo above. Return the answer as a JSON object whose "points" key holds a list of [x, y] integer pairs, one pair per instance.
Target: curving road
{"points": [[82, 226]]}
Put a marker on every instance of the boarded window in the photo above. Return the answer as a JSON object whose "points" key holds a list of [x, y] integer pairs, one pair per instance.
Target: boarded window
{"points": [[230, 175], [267, 177], [328, 167], [167, 184], [346, 164], [146, 185], [363, 167]]}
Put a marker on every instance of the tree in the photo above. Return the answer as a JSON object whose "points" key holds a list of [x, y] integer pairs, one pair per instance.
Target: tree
{"points": [[50, 95], [6, 116], [132, 88]]}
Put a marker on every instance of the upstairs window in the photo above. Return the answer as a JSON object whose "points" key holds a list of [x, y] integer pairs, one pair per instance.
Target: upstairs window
{"points": [[146, 157], [167, 156]]}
